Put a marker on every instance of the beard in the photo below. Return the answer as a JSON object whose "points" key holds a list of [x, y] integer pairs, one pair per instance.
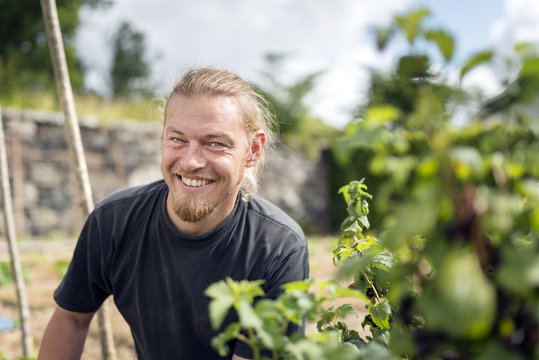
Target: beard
{"points": [[192, 208]]}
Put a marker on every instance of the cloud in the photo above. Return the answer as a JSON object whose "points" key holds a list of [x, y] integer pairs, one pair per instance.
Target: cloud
{"points": [[520, 23], [236, 34]]}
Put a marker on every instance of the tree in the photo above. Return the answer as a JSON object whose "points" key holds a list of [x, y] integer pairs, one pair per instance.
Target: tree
{"points": [[297, 126], [24, 55], [129, 69]]}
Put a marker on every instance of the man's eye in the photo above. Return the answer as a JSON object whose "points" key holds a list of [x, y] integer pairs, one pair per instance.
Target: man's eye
{"points": [[177, 140], [217, 144]]}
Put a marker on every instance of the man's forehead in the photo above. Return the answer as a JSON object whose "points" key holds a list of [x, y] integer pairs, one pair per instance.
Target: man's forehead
{"points": [[180, 99], [219, 110], [210, 131]]}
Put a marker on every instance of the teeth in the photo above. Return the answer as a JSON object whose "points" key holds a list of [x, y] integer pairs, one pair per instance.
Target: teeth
{"points": [[193, 182]]}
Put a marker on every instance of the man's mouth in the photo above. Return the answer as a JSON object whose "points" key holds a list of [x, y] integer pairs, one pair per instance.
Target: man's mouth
{"points": [[194, 182]]}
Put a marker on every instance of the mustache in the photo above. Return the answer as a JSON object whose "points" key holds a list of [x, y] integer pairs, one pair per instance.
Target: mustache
{"points": [[197, 174]]}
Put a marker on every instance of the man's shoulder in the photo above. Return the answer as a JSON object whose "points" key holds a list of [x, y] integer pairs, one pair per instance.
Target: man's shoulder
{"points": [[133, 194], [268, 212]]}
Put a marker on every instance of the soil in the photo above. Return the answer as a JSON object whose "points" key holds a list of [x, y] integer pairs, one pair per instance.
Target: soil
{"points": [[44, 262]]}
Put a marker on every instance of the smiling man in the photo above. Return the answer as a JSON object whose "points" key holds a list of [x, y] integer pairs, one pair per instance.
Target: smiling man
{"points": [[156, 248]]}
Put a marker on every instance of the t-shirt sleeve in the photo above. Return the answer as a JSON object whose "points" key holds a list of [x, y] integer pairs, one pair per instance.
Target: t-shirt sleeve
{"points": [[85, 286], [293, 266]]}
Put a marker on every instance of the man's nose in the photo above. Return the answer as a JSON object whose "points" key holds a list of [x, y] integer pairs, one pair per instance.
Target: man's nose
{"points": [[193, 158]]}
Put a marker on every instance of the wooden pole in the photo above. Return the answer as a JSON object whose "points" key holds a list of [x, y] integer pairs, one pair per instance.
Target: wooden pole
{"points": [[17, 172], [24, 310], [74, 141]]}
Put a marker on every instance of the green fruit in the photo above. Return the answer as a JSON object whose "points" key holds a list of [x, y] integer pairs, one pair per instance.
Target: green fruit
{"points": [[459, 300]]}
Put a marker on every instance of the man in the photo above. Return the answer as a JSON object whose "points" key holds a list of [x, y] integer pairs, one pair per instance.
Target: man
{"points": [[156, 248]]}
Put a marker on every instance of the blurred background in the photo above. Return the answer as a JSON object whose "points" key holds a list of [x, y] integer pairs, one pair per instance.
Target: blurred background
{"points": [[153, 42], [321, 65], [433, 103]]}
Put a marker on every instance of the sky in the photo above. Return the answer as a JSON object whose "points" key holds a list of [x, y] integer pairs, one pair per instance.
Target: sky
{"points": [[333, 36]]}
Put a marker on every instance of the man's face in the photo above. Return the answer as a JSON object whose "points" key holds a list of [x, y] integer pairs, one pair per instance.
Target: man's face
{"points": [[204, 153]]}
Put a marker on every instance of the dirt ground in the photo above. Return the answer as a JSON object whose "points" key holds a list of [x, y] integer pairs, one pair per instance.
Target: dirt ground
{"points": [[44, 262]]}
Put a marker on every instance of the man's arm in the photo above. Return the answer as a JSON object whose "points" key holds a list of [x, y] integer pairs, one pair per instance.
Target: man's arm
{"points": [[65, 335], [236, 357]]}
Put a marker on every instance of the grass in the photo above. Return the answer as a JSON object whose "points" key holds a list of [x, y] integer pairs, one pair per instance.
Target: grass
{"points": [[106, 110]]}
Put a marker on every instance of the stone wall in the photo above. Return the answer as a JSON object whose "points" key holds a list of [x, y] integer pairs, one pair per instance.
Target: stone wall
{"points": [[126, 153]]}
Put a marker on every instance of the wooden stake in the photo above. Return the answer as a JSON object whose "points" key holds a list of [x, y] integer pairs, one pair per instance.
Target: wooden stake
{"points": [[17, 173], [76, 152], [24, 310]]}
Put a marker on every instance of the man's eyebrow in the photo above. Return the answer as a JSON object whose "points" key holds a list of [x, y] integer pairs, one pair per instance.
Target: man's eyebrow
{"points": [[219, 135], [211, 136], [173, 130]]}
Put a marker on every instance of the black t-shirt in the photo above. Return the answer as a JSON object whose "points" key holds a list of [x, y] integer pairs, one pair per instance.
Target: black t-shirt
{"points": [[130, 248]]}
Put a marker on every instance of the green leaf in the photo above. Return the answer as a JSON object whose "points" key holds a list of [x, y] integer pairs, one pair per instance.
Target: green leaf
{"points": [[444, 41], [376, 351], [534, 220], [296, 305], [521, 264], [345, 309], [380, 314], [382, 35], [381, 114], [476, 60], [358, 342], [383, 336], [250, 319], [383, 261], [346, 292], [220, 342], [413, 66], [247, 316], [530, 68], [410, 23], [523, 48], [245, 289], [223, 300], [364, 221], [302, 285], [268, 309], [459, 299]]}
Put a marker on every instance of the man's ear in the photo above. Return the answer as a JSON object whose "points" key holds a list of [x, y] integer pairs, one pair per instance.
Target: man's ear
{"points": [[257, 143]]}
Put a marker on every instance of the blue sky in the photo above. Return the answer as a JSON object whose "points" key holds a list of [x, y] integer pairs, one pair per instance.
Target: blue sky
{"points": [[469, 21], [316, 34]]}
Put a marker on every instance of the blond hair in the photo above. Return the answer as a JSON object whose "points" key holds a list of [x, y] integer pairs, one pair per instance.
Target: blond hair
{"points": [[255, 110]]}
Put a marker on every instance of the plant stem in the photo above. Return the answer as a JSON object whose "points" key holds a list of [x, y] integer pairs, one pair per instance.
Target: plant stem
{"points": [[373, 288], [252, 344]]}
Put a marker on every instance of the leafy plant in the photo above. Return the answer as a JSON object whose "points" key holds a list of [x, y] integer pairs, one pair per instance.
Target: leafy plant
{"points": [[453, 271], [263, 324], [457, 207], [366, 260]]}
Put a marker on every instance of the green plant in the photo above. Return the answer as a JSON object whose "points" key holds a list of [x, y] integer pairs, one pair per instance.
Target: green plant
{"points": [[6, 275], [453, 270], [60, 267], [263, 324], [366, 261], [5, 357]]}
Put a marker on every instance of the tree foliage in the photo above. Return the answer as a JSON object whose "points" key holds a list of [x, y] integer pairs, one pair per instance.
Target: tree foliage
{"points": [[298, 127], [129, 68], [24, 55]]}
